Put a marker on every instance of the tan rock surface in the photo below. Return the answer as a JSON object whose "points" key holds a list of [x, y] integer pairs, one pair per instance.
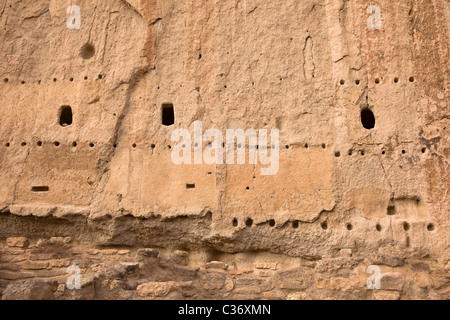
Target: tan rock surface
{"points": [[344, 198]]}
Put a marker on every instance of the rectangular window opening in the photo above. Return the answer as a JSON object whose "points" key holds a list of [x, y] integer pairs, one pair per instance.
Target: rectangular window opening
{"points": [[190, 186]]}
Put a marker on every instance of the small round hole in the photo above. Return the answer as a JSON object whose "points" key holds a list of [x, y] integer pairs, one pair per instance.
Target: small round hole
{"points": [[170, 147], [71, 79], [7, 144], [349, 227], [287, 146], [337, 154], [87, 51], [100, 77], [403, 151], [134, 145], [424, 150], [56, 144], [383, 152], [406, 226], [396, 80], [5, 80], [85, 77], [342, 82], [363, 153], [247, 188], [377, 81], [379, 227], [350, 152], [22, 82], [430, 227], [235, 222], [23, 144], [357, 82], [295, 224], [324, 146], [91, 145], [74, 144], [115, 145], [39, 143], [54, 79], [249, 222], [153, 146], [272, 222], [411, 79], [324, 225], [306, 146]]}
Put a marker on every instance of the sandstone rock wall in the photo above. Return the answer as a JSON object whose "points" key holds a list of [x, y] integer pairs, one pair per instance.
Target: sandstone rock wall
{"points": [[315, 70]]}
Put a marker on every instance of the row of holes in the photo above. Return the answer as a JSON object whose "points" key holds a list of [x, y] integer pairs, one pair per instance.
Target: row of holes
{"points": [[383, 152], [74, 144], [357, 82], [99, 77], [153, 146], [361, 152], [134, 145], [56, 144], [324, 225], [342, 81], [377, 81], [430, 226]]}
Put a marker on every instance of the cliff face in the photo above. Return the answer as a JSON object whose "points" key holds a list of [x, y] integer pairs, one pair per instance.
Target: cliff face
{"points": [[359, 92]]}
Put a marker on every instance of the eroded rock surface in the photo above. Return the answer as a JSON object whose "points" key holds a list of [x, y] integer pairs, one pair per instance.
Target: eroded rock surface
{"points": [[361, 104]]}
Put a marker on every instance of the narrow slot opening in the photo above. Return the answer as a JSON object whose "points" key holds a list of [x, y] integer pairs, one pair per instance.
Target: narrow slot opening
{"points": [[40, 189]]}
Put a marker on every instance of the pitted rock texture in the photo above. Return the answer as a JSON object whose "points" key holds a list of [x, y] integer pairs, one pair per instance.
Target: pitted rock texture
{"points": [[363, 178]]}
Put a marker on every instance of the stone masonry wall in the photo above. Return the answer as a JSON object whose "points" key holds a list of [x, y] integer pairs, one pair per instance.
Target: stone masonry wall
{"points": [[39, 271]]}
